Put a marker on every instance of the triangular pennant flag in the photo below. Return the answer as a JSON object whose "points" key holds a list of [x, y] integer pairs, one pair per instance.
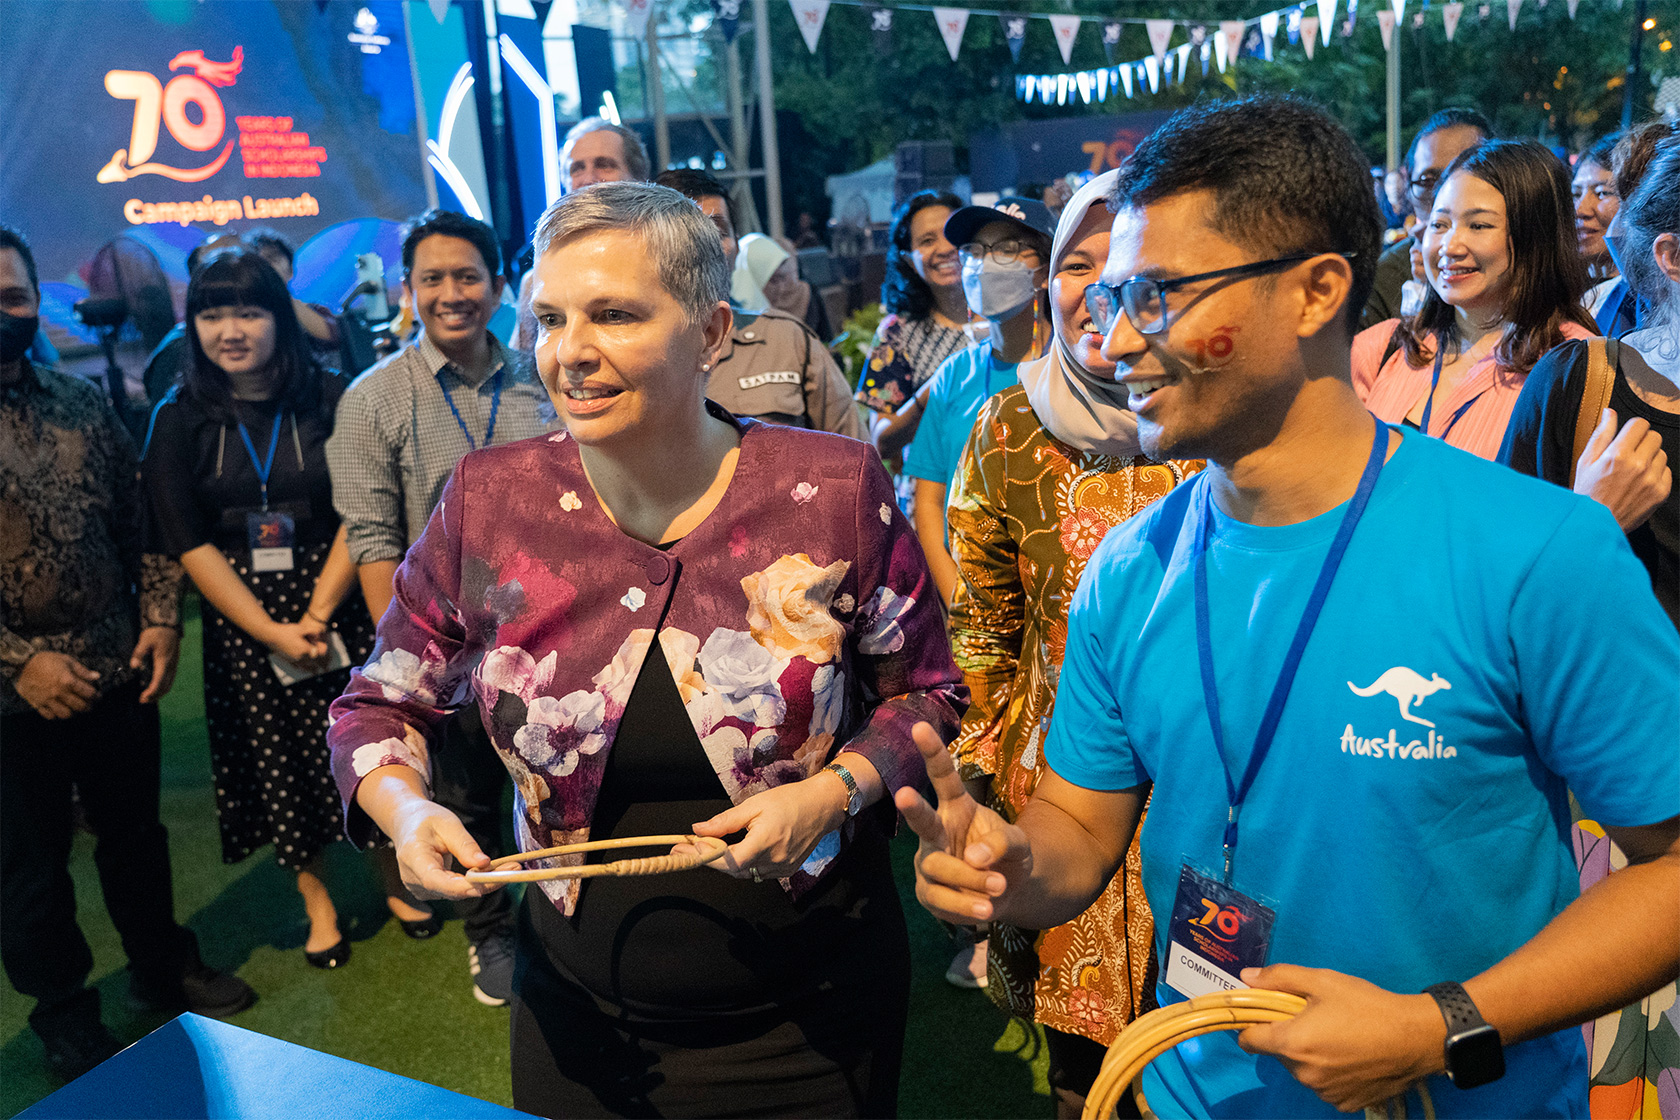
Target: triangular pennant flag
{"points": [[952, 23], [1125, 73], [1102, 84], [880, 29], [1062, 84], [1229, 41], [1207, 52], [440, 9], [727, 15], [1268, 31], [1450, 15], [1309, 34], [1111, 38], [1352, 22], [1067, 30], [1046, 87], [1221, 50], [1294, 26], [1385, 20], [1014, 32], [1023, 87], [1326, 18], [1167, 70], [1399, 9], [1084, 82], [1160, 31], [1183, 61], [1152, 67], [1573, 4], [809, 15], [1511, 7], [636, 13]]}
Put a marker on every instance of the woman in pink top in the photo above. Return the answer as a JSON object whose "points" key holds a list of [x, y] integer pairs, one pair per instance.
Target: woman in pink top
{"points": [[1505, 283]]}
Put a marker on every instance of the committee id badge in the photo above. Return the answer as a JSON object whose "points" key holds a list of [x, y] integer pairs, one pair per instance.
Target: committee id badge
{"points": [[1216, 932], [270, 536]]}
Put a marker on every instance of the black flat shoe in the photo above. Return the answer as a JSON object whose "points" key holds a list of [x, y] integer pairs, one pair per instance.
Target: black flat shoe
{"points": [[330, 958], [429, 926]]}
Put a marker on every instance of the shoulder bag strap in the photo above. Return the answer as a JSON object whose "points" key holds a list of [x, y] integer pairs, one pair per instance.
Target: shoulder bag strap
{"points": [[1601, 378]]}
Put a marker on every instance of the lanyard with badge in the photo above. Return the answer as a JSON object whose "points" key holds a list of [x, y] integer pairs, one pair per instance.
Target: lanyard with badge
{"points": [[495, 403], [1217, 930], [270, 534]]}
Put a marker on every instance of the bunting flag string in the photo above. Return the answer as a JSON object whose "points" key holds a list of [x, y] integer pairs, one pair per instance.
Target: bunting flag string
{"points": [[1269, 30], [952, 23], [1450, 16], [810, 15], [1160, 33], [1066, 29]]}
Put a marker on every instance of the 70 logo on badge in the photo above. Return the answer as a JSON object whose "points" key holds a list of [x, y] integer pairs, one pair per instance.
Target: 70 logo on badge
{"points": [[1224, 922]]}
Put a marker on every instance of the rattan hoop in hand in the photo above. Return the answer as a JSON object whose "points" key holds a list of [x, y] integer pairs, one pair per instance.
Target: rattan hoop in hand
{"points": [[506, 869]]}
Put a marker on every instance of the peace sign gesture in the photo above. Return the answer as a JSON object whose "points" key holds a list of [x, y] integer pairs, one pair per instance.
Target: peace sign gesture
{"points": [[969, 855]]}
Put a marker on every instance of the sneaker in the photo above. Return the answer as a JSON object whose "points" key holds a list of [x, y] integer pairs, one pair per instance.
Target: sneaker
{"points": [[968, 967], [76, 1048], [491, 963]]}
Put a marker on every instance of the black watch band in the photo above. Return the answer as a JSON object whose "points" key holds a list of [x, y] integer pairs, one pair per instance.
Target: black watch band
{"points": [[1474, 1054]]}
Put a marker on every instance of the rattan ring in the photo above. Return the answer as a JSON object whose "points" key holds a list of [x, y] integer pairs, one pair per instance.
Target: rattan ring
{"points": [[506, 869]]}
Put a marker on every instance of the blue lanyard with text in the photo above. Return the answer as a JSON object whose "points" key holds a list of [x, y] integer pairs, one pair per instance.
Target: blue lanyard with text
{"points": [[1292, 660], [495, 403], [1429, 403], [263, 468]]}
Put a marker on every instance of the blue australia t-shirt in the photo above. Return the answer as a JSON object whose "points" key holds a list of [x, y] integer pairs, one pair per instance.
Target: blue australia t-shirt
{"points": [[1489, 641], [962, 383]]}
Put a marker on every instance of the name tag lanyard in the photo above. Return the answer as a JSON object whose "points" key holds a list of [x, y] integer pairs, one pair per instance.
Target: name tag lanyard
{"points": [[495, 403], [265, 466], [1237, 791], [1429, 401]]}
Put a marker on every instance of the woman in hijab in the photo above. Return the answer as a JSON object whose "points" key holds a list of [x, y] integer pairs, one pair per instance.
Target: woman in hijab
{"points": [[1051, 466]]}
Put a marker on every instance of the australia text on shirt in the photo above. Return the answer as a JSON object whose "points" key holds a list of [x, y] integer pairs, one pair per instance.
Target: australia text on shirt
{"points": [[1408, 688]]}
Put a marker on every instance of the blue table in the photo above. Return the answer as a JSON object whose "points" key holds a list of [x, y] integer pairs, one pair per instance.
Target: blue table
{"points": [[194, 1067]]}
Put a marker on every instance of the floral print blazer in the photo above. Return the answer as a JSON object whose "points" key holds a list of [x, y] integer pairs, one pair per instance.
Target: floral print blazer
{"points": [[798, 618]]}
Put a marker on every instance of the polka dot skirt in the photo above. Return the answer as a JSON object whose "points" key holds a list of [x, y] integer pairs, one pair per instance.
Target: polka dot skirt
{"points": [[268, 742]]}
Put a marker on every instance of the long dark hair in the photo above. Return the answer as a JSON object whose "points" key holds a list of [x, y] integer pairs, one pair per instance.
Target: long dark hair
{"points": [[1548, 275], [903, 292], [1653, 210], [239, 277]]}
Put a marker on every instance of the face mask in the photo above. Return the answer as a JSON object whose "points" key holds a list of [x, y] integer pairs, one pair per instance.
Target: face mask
{"points": [[997, 291], [16, 333]]}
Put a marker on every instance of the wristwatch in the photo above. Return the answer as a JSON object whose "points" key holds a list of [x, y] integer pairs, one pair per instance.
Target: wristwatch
{"points": [[854, 795], [1475, 1055]]}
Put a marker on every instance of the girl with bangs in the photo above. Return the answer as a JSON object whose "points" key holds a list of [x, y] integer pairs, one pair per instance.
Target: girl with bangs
{"points": [[236, 478], [1505, 284]]}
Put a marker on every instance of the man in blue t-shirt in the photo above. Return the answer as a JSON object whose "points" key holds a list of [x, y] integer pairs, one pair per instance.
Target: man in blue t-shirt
{"points": [[1360, 671]]}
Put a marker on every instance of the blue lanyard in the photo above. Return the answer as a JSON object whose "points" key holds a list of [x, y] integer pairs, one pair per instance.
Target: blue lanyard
{"points": [[1292, 660], [267, 464], [495, 403], [1429, 403]]}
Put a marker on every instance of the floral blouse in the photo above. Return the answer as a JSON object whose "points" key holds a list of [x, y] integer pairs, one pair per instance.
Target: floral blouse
{"points": [[798, 618], [1025, 514]]}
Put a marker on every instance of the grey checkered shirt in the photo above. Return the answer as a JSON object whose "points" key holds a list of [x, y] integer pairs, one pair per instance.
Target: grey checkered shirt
{"points": [[395, 441]]}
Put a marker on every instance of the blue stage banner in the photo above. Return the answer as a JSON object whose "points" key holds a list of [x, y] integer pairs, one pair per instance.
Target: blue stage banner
{"points": [[168, 120], [1039, 151]]}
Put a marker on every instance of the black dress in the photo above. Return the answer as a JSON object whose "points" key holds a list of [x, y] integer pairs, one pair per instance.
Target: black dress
{"points": [[268, 746], [698, 994]]}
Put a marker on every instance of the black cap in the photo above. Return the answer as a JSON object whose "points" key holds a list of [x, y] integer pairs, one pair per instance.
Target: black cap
{"points": [[1028, 213]]}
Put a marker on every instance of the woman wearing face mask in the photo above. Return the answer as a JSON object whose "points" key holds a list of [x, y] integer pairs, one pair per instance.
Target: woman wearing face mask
{"points": [[1051, 466], [1005, 252], [1505, 285], [236, 477], [925, 323]]}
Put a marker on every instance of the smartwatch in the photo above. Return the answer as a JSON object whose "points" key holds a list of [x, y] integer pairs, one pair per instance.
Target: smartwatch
{"points": [[1475, 1055], [854, 795]]}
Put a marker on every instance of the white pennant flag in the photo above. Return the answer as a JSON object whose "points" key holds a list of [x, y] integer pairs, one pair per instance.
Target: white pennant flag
{"points": [[1126, 78], [1449, 17], [1220, 51], [1152, 68], [1062, 84], [1160, 31], [952, 22], [1102, 85], [1067, 30], [440, 9], [810, 14], [1399, 10], [1183, 61], [1207, 51], [637, 13], [1229, 41], [1268, 31], [1511, 7], [1326, 18], [1573, 4], [1309, 34], [1385, 20], [1083, 81]]}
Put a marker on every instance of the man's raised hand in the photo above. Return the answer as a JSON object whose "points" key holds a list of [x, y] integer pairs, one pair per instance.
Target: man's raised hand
{"points": [[969, 856]]}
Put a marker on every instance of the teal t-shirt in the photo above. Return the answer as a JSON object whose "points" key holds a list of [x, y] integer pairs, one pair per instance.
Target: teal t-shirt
{"points": [[1489, 641], [962, 383]]}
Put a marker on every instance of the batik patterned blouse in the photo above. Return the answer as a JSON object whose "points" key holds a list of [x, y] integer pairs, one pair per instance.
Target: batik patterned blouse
{"points": [[798, 619], [1025, 514]]}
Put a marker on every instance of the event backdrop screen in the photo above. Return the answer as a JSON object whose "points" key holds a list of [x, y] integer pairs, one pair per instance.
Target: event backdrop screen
{"points": [[166, 120]]}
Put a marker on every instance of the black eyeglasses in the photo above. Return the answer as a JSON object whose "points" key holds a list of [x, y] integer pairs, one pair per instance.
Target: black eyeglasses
{"points": [[1004, 252], [1144, 299], [1424, 185]]}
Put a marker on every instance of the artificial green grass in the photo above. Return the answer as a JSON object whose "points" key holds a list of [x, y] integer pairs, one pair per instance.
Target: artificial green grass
{"points": [[406, 1006]]}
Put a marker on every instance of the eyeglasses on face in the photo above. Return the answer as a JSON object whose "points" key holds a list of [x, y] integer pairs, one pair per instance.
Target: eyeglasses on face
{"points": [[1424, 185], [1004, 252], [1144, 299]]}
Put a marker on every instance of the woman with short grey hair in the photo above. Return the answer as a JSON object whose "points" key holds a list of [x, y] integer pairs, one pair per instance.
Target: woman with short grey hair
{"points": [[673, 621]]}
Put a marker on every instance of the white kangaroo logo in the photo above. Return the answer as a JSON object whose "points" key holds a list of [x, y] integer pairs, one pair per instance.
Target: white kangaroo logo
{"points": [[1406, 687]]}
